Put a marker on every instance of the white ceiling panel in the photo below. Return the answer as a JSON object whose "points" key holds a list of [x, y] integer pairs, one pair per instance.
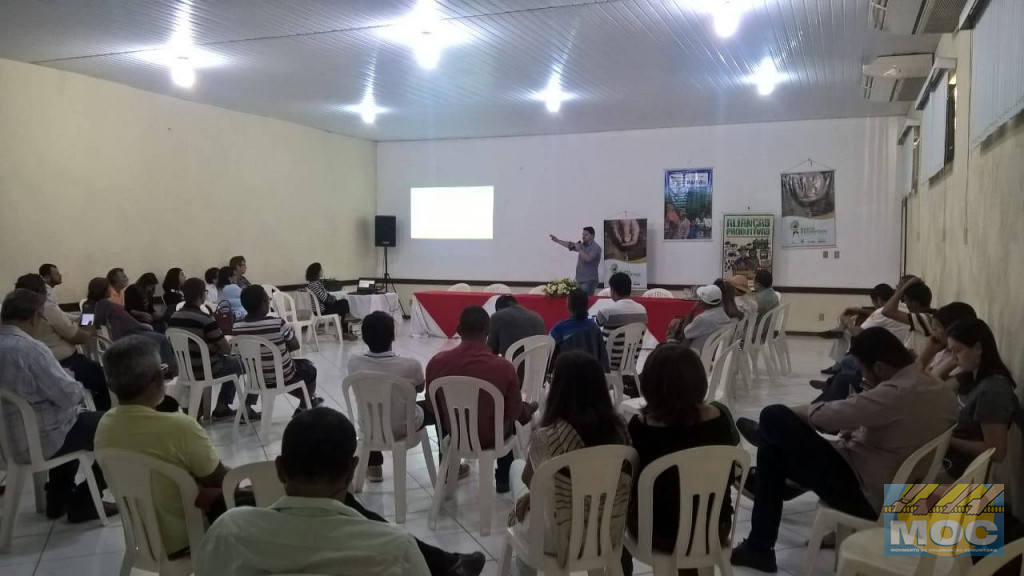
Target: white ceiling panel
{"points": [[626, 63]]}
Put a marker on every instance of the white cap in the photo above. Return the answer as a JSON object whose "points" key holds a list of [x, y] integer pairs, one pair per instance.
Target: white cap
{"points": [[710, 294]]}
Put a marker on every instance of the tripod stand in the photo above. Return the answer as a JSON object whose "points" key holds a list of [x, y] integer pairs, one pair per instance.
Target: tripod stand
{"points": [[389, 282]]}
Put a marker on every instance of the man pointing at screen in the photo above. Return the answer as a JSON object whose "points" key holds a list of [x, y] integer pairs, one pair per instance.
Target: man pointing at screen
{"points": [[587, 261]]}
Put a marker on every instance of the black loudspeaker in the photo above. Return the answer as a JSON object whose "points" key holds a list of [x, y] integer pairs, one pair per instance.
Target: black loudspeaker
{"points": [[384, 231]]}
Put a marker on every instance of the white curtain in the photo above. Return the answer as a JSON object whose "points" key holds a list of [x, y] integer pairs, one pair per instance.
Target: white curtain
{"points": [[933, 129], [907, 163], [997, 67]]}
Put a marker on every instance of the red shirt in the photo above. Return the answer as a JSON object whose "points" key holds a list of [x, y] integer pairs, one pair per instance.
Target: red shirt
{"points": [[475, 359]]}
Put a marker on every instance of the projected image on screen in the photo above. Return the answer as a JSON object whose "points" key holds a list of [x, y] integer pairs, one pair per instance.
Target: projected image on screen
{"points": [[453, 213]]}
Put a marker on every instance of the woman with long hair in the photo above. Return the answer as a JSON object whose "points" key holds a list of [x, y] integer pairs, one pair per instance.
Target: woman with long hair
{"points": [[328, 303], [121, 323], [988, 404], [936, 358], [172, 283], [138, 301], [676, 418], [578, 414], [228, 291]]}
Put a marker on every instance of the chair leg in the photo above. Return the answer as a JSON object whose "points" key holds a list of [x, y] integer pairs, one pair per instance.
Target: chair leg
{"points": [[398, 460], [818, 530], [441, 487], [337, 326], [85, 464], [486, 491], [316, 340], [505, 561], [195, 400], [39, 488], [12, 496], [364, 461], [266, 417], [428, 456]]}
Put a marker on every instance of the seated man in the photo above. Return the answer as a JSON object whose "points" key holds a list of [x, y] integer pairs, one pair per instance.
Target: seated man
{"points": [[193, 319], [61, 335], [52, 277], [318, 527], [714, 317], [511, 323], [28, 369], [473, 358], [258, 322], [901, 411], [917, 297], [379, 335], [579, 332], [765, 296], [133, 373], [622, 311], [118, 282]]}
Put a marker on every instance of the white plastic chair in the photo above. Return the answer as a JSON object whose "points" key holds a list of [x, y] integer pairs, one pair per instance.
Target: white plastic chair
{"points": [[778, 342], [374, 393], [498, 288], [37, 467], [460, 287], [604, 293], [745, 336], [594, 473], [758, 346], [182, 342], [319, 318], [657, 293], [630, 338], [287, 311], [864, 553], [271, 292], [538, 289], [81, 304], [461, 402], [251, 350], [716, 342], [829, 518], [720, 379], [266, 486], [705, 474], [130, 476], [535, 352], [95, 347]]}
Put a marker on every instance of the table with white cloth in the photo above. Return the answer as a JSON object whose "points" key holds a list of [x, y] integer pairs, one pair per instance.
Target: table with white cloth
{"points": [[361, 305]]}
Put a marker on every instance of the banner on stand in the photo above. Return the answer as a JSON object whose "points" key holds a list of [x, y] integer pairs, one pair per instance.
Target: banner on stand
{"points": [[747, 244], [688, 195], [625, 249], [809, 209]]}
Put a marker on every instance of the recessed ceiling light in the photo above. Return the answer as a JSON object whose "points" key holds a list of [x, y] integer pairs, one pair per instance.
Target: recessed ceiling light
{"points": [[183, 73], [766, 77], [367, 109], [426, 33], [727, 15], [552, 95]]}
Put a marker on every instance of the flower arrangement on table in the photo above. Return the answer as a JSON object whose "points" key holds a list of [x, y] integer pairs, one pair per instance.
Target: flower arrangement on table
{"points": [[560, 287]]}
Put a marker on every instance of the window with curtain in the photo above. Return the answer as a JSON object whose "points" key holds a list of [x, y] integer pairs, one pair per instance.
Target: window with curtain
{"points": [[908, 161], [935, 128], [997, 67]]}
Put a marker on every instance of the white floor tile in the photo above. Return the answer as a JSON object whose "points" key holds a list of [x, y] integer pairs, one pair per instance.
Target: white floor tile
{"points": [[75, 544], [24, 550], [96, 565]]}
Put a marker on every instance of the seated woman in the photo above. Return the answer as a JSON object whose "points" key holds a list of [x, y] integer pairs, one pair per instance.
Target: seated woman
{"points": [[676, 418], [211, 288], [173, 281], [328, 303], [138, 301], [579, 331], [121, 323], [936, 358], [578, 414], [228, 291]]}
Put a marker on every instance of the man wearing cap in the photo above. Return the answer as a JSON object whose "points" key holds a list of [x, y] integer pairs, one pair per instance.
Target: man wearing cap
{"points": [[712, 318], [744, 301]]}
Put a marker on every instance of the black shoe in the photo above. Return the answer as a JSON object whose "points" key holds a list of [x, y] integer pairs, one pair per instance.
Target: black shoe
{"points": [[85, 512], [758, 559], [790, 491], [317, 401], [56, 506], [749, 430], [819, 384], [830, 371], [502, 486], [830, 334], [468, 564], [222, 413]]}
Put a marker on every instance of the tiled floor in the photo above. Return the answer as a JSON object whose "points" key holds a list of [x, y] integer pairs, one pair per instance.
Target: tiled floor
{"points": [[44, 547]]}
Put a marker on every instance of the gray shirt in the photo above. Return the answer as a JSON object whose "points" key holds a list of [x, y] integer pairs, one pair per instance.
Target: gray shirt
{"points": [[587, 271], [704, 325], [512, 324]]}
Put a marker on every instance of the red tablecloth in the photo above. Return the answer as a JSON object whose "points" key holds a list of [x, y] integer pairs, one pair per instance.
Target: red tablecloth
{"points": [[445, 307]]}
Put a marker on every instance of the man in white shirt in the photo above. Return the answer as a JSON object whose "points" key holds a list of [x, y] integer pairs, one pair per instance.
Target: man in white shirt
{"points": [[707, 322], [621, 311], [51, 276]]}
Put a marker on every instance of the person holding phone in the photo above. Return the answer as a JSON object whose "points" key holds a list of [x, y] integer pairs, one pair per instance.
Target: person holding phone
{"points": [[62, 336]]}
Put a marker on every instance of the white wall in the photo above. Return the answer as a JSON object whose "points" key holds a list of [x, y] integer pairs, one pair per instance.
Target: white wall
{"points": [[558, 184]]}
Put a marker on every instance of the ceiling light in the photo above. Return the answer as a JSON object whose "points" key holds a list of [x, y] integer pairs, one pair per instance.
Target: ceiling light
{"points": [[426, 33], [552, 95], [183, 73], [428, 52], [766, 77], [727, 15], [367, 109]]}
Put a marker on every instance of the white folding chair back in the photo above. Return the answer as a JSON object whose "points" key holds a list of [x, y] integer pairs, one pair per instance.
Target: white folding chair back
{"points": [[759, 345], [705, 476], [498, 288], [460, 287], [623, 346], [96, 347], [535, 352], [266, 486], [130, 476], [777, 338], [36, 467], [461, 400], [745, 335], [375, 393], [285, 305], [864, 552], [828, 518], [657, 293], [720, 380], [252, 350], [538, 289], [328, 321], [271, 291], [604, 292], [718, 341], [183, 343], [81, 304], [594, 474]]}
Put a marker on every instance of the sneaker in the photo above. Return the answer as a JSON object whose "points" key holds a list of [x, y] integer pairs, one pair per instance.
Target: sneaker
{"points": [[375, 474], [223, 413], [819, 384], [86, 512], [748, 556], [468, 564], [749, 430]]}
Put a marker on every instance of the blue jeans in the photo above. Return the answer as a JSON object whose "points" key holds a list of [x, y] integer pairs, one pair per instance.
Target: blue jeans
{"points": [[590, 287]]}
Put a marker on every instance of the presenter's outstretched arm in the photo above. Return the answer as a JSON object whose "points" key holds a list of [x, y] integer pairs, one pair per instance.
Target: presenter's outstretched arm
{"points": [[565, 243]]}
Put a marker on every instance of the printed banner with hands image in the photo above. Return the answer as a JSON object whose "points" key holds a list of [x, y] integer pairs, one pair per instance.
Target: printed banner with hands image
{"points": [[625, 249], [688, 195], [809, 209]]}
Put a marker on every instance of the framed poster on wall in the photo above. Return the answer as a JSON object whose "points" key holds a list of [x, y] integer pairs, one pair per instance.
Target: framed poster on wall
{"points": [[688, 195], [747, 244]]}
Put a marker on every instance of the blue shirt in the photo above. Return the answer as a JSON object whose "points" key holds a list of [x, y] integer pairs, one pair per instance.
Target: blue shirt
{"points": [[233, 294], [568, 327]]}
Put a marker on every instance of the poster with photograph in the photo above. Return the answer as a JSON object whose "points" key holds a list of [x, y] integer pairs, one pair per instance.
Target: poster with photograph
{"points": [[625, 249], [688, 204], [809, 209], [747, 244]]}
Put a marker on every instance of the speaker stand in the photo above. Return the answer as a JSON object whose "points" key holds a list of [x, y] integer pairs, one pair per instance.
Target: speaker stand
{"points": [[389, 282]]}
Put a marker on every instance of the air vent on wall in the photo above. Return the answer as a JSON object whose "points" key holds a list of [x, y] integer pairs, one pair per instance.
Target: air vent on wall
{"points": [[895, 78], [915, 16]]}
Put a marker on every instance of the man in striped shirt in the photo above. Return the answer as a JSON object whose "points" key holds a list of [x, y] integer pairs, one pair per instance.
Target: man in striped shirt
{"points": [[193, 319], [622, 311], [258, 322]]}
